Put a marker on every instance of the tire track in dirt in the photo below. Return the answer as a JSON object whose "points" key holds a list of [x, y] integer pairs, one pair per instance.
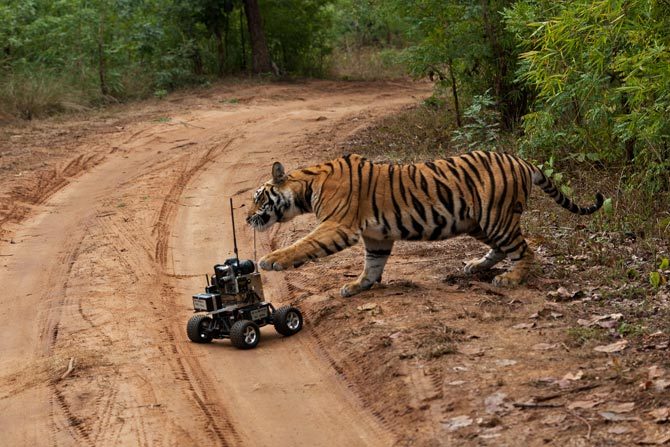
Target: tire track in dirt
{"points": [[37, 189], [167, 212], [217, 421], [98, 430], [56, 298]]}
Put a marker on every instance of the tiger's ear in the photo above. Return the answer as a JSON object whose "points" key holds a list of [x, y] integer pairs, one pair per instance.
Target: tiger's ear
{"points": [[278, 174]]}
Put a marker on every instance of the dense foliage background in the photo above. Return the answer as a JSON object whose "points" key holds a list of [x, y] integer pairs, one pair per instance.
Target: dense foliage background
{"points": [[583, 80]]}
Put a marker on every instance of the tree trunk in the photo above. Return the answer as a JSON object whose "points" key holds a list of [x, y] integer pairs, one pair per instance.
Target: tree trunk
{"points": [[500, 87], [259, 48], [101, 59], [629, 144], [196, 57], [454, 92], [243, 62], [221, 49]]}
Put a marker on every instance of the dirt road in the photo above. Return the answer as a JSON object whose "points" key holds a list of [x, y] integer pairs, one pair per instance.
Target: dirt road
{"points": [[98, 274]]}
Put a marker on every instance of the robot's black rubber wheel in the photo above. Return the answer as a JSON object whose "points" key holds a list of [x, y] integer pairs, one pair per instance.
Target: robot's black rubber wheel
{"points": [[287, 320], [245, 334], [196, 329]]}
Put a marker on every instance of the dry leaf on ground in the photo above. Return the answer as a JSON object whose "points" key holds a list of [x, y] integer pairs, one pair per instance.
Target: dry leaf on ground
{"points": [[660, 414], [495, 403], [616, 417], [367, 306], [576, 376], [655, 372], [545, 346], [506, 362], [614, 347], [457, 422], [657, 439], [618, 430], [562, 294], [583, 404], [623, 407]]}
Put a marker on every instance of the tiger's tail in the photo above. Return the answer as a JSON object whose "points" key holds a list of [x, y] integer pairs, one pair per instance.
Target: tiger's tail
{"points": [[548, 186]]}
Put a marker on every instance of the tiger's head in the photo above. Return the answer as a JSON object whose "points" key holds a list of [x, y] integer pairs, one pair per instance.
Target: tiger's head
{"points": [[278, 200]]}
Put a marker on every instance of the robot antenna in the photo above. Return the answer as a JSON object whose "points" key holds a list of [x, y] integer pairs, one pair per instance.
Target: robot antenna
{"points": [[232, 218]]}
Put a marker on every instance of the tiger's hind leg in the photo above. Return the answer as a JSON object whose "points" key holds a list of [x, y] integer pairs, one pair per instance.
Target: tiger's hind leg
{"points": [[494, 256], [513, 245], [376, 255], [523, 259]]}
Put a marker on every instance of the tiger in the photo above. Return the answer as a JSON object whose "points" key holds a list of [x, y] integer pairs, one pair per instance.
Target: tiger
{"points": [[481, 194]]}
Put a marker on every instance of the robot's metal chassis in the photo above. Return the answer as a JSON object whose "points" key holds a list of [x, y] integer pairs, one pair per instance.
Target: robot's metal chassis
{"points": [[224, 318]]}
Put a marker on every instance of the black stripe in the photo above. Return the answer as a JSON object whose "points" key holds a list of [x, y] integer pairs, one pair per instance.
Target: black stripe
{"points": [[338, 246], [442, 191], [474, 169], [369, 176], [454, 172], [502, 211], [430, 165], [401, 186], [439, 223], [404, 232], [323, 247], [418, 228], [308, 195], [347, 160], [492, 191], [345, 237], [516, 247], [396, 207], [476, 200], [523, 252], [511, 235], [419, 207], [381, 253], [424, 183], [463, 208], [387, 226]]}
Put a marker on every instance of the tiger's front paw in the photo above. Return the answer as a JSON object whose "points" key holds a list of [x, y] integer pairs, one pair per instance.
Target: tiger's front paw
{"points": [[272, 262]]}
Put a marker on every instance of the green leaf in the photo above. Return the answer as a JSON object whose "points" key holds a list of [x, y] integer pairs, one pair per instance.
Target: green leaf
{"points": [[607, 206], [655, 279], [665, 263]]}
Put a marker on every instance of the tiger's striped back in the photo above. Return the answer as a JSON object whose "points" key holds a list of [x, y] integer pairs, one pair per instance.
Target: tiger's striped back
{"points": [[427, 201]]}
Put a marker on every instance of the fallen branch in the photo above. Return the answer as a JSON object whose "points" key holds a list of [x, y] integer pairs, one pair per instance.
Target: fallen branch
{"points": [[535, 405], [188, 124], [70, 368], [588, 434], [563, 393]]}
